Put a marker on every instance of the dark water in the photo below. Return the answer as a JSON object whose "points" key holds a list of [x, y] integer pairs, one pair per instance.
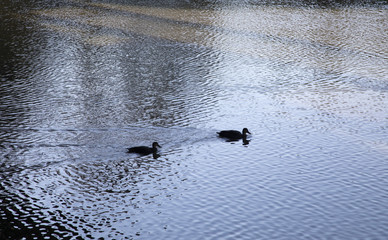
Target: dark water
{"points": [[82, 81]]}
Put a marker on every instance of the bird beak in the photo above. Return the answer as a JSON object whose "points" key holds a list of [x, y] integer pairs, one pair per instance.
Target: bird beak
{"points": [[248, 132], [158, 145]]}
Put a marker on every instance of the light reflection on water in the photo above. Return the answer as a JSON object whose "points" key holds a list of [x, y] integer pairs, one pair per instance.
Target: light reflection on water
{"points": [[81, 83], [333, 41]]}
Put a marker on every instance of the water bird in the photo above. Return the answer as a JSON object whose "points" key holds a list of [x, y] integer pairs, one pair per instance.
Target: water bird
{"points": [[143, 150], [234, 134]]}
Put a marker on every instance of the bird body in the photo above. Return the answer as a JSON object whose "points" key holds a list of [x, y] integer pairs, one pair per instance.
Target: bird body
{"points": [[143, 150], [233, 134]]}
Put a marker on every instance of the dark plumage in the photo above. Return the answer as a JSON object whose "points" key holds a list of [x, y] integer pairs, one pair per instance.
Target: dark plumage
{"points": [[143, 150], [233, 134]]}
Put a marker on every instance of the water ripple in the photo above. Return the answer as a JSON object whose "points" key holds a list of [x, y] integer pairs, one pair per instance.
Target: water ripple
{"points": [[81, 82]]}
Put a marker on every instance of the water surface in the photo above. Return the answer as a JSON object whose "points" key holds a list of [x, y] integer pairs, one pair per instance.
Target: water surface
{"points": [[81, 82]]}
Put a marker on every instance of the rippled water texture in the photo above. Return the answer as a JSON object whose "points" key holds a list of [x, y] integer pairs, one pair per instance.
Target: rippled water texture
{"points": [[83, 80]]}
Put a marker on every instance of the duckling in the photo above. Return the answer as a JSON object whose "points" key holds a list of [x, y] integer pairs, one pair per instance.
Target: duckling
{"points": [[143, 150], [234, 134]]}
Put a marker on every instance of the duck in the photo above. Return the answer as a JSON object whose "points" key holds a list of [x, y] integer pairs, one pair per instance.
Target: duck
{"points": [[143, 150], [234, 134]]}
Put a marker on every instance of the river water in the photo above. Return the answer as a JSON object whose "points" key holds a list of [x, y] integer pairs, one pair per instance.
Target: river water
{"points": [[83, 80]]}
